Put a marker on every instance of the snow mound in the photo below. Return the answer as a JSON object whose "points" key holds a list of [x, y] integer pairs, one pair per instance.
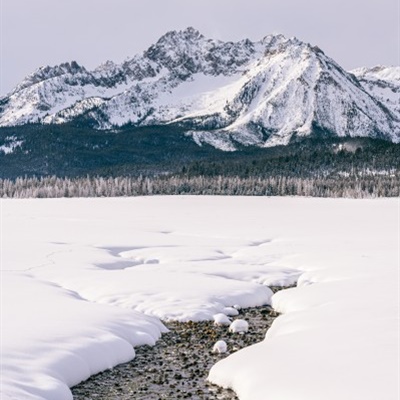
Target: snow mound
{"points": [[220, 347], [230, 311], [221, 319], [239, 326]]}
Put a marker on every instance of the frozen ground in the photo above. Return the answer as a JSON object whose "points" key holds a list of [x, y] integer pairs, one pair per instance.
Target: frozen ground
{"points": [[85, 279]]}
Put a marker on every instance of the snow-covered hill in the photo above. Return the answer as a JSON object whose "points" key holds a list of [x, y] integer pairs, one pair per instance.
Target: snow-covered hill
{"points": [[254, 93]]}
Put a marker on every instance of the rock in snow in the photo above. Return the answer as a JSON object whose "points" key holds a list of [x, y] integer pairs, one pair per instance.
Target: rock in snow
{"points": [[239, 326], [260, 93], [220, 347]]}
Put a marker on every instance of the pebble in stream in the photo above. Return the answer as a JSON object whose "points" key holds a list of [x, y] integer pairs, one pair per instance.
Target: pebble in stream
{"points": [[178, 365]]}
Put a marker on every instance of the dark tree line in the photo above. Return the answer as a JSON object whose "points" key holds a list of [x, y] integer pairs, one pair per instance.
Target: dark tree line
{"points": [[76, 161]]}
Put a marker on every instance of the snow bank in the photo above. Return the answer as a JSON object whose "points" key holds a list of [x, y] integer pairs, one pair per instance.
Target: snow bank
{"points": [[52, 339], [84, 279], [338, 337]]}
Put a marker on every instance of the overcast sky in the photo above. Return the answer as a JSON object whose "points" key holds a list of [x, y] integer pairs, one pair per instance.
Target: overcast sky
{"points": [[47, 32]]}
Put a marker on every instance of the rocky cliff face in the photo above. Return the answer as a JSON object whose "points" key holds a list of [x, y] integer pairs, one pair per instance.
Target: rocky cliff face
{"points": [[254, 93]]}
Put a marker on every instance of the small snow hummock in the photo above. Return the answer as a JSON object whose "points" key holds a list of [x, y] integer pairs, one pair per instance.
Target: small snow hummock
{"points": [[221, 319], [230, 311], [239, 326], [237, 307], [220, 347]]}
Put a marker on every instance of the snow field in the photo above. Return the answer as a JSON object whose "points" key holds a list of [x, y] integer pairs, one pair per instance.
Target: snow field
{"points": [[84, 280]]}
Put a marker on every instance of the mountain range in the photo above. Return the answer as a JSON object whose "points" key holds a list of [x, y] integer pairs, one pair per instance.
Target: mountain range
{"points": [[225, 94]]}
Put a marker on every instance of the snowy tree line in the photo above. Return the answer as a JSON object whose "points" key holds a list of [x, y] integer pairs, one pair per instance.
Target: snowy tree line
{"points": [[349, 186]]}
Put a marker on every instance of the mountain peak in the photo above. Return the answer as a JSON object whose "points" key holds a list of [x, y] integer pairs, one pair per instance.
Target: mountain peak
{"points": [[182, 52], [48, 72], [273, 38], [188, 35], [107, 67], [64, 68], [379, 72], [261, 93]]}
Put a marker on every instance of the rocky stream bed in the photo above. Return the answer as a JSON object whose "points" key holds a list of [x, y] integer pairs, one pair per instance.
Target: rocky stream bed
{"points": [[177, 366]]}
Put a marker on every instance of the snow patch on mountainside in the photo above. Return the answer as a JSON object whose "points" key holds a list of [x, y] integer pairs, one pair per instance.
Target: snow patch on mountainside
{"points": [[10, 143]]}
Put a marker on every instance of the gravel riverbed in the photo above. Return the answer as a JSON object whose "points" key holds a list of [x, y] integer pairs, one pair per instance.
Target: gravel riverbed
{"points": [[178, 365]]}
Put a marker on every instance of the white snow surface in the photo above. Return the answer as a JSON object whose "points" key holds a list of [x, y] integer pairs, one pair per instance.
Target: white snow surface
{"points": [[10, 144], [338, 337], [84, 280], [221, 319], [379, 72], [383, 83], [220, 347], [239, 326]]}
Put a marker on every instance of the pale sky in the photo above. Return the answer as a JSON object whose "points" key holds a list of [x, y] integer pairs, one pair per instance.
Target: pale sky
{"points": [[47, 32]]}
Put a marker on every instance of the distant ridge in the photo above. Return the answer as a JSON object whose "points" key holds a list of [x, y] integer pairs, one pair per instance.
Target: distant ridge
{"points": [[226, 94]]}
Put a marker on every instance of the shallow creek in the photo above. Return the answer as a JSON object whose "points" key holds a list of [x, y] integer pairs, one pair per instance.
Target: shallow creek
{"points": [[178, 365]]}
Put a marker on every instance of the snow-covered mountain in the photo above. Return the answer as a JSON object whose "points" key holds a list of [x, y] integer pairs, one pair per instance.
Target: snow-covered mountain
{"points": [[255, 93], [382, 83]]}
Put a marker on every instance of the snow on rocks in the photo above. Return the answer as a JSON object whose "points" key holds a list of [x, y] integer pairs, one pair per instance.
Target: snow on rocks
{"points": [[239, 326], [221, 319], [230, 311], [220, 347], [187, 350]]}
